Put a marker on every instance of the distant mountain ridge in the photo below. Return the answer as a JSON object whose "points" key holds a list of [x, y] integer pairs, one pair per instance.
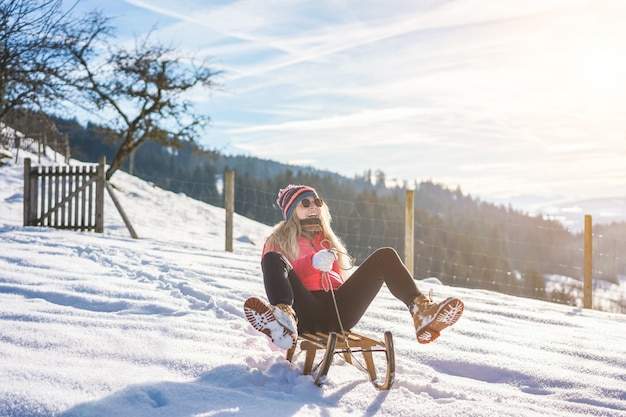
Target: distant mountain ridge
{"points": [[571, 212]]}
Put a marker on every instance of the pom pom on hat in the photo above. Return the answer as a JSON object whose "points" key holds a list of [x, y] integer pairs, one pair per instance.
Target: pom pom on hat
{"points": [[290, 196]]}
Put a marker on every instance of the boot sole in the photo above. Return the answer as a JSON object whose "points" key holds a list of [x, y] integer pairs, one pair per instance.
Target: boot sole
{"points": [[449, 313], [262, 318]]}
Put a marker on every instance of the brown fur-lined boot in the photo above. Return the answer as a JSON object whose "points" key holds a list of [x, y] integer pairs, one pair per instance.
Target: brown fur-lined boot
{"points": [[430, 318]]}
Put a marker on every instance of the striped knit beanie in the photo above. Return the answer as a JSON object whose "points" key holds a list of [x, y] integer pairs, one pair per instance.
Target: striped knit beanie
{"points": [[289, 197]]}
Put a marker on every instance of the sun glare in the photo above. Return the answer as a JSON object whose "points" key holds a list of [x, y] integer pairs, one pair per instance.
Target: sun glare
{"points": [[601, 66], [604, 67]]}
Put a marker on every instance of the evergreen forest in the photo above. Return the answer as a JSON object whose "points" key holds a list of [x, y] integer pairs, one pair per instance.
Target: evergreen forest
{"points": [[458, 239]]}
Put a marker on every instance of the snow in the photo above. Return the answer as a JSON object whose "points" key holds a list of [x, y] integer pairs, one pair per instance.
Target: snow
{"points": [[106, 325]]}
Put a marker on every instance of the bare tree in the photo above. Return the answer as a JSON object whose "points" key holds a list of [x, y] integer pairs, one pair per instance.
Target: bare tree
{"points": [[141, 90], [33, 55]]}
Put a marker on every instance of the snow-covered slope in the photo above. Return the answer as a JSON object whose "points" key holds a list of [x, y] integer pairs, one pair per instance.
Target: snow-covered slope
{"points": [[105, 325]]}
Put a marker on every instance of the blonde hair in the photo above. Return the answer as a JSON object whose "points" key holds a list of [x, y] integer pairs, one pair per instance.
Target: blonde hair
{"points": [[284, 239]]}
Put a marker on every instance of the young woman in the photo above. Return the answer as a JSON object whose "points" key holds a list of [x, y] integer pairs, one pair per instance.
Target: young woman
{"points": [[303, 266]]}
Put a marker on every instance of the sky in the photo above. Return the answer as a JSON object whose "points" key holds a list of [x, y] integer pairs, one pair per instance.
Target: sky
{"points": [[512, 101], [101, 325]]}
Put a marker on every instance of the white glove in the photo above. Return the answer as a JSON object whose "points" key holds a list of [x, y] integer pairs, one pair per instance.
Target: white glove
{"points": [[323, 260]]}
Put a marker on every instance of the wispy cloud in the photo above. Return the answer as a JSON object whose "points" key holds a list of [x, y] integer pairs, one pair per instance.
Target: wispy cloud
{"points": [[503, 97]]}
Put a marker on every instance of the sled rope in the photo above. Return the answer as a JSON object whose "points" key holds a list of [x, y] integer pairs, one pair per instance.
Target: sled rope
{"points": [[328, 287]]}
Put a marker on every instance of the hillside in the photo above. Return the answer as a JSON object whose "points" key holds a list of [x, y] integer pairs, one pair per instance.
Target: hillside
{"points": [[104, 325]]}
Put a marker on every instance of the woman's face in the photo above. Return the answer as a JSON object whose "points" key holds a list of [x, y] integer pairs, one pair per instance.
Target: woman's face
{"points": [[312, 211]]}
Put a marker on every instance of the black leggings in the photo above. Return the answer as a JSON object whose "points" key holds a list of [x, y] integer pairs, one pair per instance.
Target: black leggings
{"points": [[316, 310]]}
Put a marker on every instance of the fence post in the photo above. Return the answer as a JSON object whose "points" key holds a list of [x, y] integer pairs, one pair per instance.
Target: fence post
{"points": [[229, 205], [409, 238], [588, 264], [16, 142], [27, 201], [100, 194]]}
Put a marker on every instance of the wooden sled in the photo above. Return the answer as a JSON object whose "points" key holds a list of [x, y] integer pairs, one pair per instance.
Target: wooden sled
{"points": [[346, 344]]}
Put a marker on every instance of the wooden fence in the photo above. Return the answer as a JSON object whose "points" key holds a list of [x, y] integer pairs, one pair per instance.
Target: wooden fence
{"points": [[64, 197], [36, 143]]}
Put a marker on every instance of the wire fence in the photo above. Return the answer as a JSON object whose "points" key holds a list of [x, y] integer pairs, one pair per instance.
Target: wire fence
{"points": [[507, 261], [517, 257]]}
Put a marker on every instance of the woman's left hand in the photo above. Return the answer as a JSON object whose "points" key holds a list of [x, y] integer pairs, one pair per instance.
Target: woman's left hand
{"points": [[323, 260]]}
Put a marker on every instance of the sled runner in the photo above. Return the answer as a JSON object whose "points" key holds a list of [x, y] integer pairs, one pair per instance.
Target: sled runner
{"points": [[346, 344]]}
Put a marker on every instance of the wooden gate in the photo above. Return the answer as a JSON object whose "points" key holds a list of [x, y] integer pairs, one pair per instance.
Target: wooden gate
{"points": [[64, 197]]}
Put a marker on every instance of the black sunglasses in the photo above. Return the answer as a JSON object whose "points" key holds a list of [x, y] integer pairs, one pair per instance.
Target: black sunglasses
{"points": [[317, 201]]}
